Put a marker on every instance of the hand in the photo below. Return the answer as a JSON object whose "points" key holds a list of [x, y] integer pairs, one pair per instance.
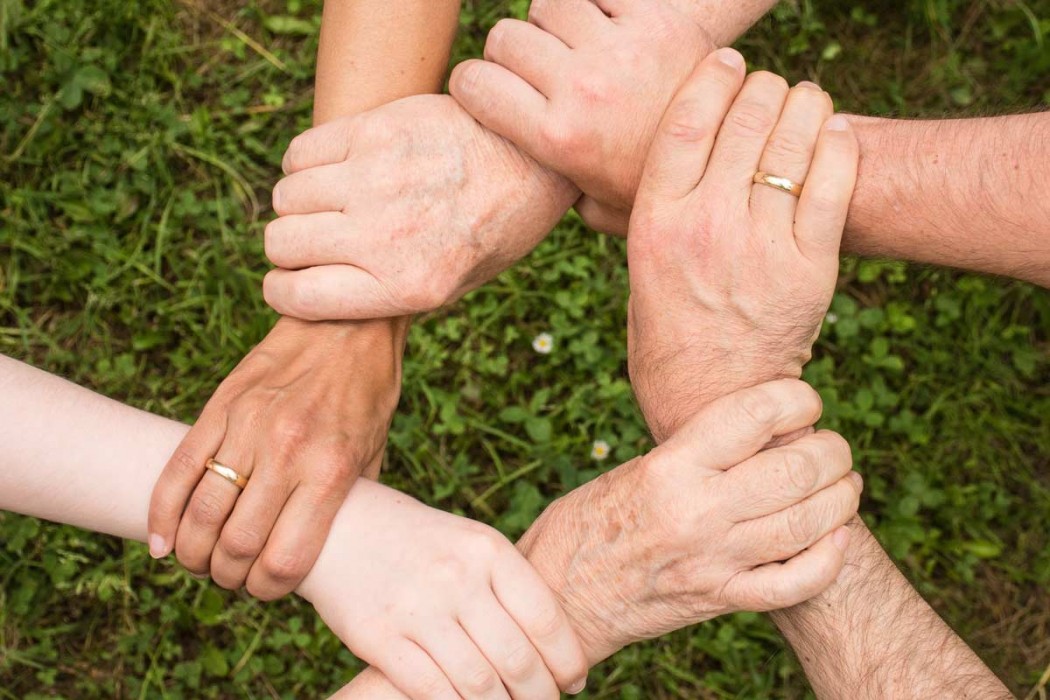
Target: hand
{"points": [[582, 88], [703, 525], [303, 415], [444, 606], [402, 210], [730, 280]]}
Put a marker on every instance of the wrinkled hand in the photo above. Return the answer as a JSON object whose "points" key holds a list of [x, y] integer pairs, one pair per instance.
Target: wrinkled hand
{"points": [[581, 88], [444, 606], [402, 210], [703, 525], [303, 415], [731, 280]]}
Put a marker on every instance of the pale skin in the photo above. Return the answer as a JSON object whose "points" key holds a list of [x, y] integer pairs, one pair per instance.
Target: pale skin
{"points": [[421, 562], [307, 411]]}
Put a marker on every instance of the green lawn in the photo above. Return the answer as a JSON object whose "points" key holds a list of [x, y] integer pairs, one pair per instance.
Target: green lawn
{"points": [[138, 144]]}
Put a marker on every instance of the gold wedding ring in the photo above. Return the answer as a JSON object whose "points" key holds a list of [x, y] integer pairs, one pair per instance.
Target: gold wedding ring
{"points": [[226, 473], [780, 183]]}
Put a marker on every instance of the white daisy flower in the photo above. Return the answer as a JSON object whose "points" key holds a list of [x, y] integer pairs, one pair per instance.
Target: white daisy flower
{"points": [[832, 318], [543, 343], [600, 450]]}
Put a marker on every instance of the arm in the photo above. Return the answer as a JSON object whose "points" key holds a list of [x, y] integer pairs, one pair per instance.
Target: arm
{"points": [[960, 192], [654, 576], [375, 51], [963, 193], [459, 201], [431, 578], [871, 635], [283, 413]]}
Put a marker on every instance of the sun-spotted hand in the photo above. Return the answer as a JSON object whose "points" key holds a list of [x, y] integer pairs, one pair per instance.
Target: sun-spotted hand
{"points": [[730, 280]]}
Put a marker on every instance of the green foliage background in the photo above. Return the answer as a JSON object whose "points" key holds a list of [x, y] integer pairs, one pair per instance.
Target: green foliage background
{"points": [[138, 143]]}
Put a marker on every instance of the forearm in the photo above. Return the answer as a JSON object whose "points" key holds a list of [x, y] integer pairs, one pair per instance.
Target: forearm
{"points": [[725, 22], [872, 636], [74, 457], [376, 51], [963, 193]]}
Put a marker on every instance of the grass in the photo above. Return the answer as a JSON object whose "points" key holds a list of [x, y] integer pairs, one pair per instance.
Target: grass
{"points": [[138, 143]]}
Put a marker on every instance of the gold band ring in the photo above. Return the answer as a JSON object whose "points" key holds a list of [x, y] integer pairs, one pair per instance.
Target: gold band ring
{"points": [[780, 183], [226, 473]]}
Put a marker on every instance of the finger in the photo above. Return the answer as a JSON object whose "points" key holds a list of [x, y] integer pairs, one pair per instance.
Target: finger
{"points": [[298, 241], [413, 671], [603, 218], [825, 199], [330, 293], [573, 21], [180, 477], [614, 8], [463, 664], [296, 540], [246, 531], [735, 427], [784, 534], [742, 138], [504, 103], [211, 504], [789, 153], [682, 146], [779, 478], [532, 605], [527, 51], [509, 650], [322, 145], [781, 585], [311, 191]]}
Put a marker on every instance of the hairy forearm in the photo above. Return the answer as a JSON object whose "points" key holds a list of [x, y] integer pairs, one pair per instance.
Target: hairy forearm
{"points": [[872, 636], [964, 193]]}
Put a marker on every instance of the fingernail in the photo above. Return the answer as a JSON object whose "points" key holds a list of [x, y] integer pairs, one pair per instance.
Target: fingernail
{"points": [[158, 546], [841, 538], [807, 84], [858, 480], [837, 123], [577, 687], [730, 57], [275, 198]]}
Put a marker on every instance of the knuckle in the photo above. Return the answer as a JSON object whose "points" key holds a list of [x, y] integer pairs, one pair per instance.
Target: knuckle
{"points": [[683, 123], [757, 408], [750, 118], [801, 524], [481, 681], [207, 509], [546, 623], [289, 432], [285, 566], [538, 10], [802, 470], [241, 543], [497, 38], [520, 663], [185, 464], [788, 147], [558, 135]]}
